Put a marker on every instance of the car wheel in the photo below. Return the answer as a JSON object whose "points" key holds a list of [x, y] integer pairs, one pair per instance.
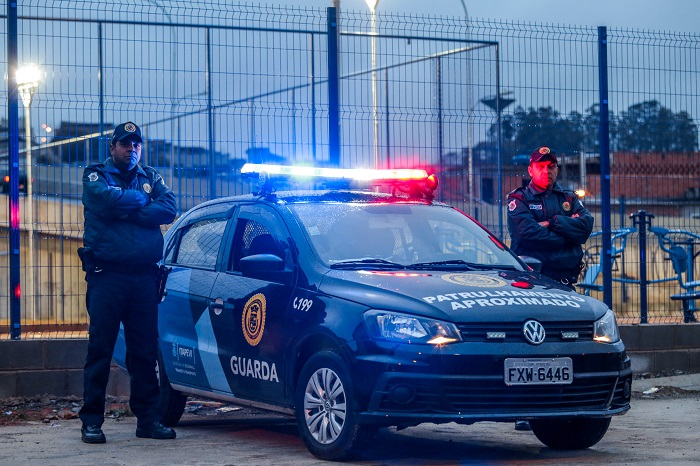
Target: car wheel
{"points": [[570, 434], [326, 409], [171, 403]]}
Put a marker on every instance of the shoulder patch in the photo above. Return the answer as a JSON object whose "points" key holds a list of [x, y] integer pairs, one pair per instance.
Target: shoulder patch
{"points": [[511, 205], [93, 176]]}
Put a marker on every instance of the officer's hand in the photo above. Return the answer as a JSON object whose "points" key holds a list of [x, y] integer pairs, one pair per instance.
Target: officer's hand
{"points": [[544, 224]]}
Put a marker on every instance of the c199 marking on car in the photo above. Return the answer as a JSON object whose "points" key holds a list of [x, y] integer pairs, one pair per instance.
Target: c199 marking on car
{"points": [[302, 304]]}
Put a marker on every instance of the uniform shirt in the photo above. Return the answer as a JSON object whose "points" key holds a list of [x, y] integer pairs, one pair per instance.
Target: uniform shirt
{"points": [[124, 212], [559, 246]]}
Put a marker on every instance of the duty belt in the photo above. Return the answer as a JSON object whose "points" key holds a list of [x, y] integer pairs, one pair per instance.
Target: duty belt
{"points": [[134, 269]]}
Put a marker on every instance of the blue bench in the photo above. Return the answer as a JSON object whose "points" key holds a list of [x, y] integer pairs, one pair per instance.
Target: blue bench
{"points": [[680, 247]]}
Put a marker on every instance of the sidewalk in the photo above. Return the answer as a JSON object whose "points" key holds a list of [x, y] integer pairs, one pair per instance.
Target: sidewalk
{"points": [[684, 382]]}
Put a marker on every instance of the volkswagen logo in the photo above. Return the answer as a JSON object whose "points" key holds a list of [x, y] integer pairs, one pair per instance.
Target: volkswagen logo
{"points": [[534, 332]]}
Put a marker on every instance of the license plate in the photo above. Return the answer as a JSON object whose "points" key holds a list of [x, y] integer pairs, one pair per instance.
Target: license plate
{"points": [[538, 371]]}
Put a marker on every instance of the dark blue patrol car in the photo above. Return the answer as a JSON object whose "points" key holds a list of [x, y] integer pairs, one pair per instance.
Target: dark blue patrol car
{"points": [[354, 310]]}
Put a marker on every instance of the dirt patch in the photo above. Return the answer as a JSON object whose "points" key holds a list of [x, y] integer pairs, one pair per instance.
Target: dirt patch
{"points": [[46, 408]]}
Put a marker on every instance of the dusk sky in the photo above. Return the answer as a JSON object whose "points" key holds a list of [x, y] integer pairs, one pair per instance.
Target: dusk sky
{"points": [[668, 15]]}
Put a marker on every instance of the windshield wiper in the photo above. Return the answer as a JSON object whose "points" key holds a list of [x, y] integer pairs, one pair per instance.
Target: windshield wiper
{"points": [[459, 264], [454, 263], [360, 263]]}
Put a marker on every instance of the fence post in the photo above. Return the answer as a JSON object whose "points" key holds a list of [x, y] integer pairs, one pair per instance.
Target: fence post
{"points": [[333, 89], [604, 135], [641, 219], [13, 162], [622, 208]]}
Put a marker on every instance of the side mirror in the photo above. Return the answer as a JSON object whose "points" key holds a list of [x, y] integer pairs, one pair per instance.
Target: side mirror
{"points": [[534, 264], [253, 265]]}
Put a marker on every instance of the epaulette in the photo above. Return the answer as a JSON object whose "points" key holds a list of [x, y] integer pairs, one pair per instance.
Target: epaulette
{"points": [[517, 193]]}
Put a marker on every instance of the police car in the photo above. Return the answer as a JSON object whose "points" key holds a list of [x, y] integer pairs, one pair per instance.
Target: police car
{"points": [[357, 309]]}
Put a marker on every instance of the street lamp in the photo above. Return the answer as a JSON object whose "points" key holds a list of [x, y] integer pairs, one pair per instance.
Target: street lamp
{"points": [[470, 144], [372, 4], [28, 78]]}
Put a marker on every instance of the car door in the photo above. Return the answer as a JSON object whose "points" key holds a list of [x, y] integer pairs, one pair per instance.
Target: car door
{"points": [[250, 310], [187, 344]]}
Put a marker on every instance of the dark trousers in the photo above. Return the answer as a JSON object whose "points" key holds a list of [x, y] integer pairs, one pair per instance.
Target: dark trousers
{"points": [[129, 298]]}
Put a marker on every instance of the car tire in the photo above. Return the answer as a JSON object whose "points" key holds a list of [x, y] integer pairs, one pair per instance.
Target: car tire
{"points": [[326, 409], [570, 434], [171, 403]]}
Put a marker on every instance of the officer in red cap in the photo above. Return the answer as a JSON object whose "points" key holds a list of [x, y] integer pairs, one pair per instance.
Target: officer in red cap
{"points": [[548, 222]]}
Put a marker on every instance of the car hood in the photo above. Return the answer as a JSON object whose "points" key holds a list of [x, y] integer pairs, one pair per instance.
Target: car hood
{"points": [[471, 296]]}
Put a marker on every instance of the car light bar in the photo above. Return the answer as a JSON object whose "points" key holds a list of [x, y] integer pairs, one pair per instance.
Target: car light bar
{"points": [[357, 174], [415, 182]]}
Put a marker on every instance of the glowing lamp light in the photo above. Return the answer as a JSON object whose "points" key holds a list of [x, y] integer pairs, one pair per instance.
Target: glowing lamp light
{"points": [[440, 340], [372, 4], [523, 285]]}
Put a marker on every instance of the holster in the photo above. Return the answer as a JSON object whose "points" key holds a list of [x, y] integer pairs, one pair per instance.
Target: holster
{"points": [[163, 273], [87, 257]]}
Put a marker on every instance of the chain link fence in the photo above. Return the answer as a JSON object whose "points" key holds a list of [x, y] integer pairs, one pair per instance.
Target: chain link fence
{"points": [[216, 84]]}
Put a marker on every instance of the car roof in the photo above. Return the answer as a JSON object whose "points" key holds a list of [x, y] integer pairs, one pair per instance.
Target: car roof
{"points": [[311, 196]]}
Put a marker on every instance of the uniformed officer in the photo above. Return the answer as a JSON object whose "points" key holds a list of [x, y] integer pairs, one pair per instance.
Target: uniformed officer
{"points": [[548, 222], [125, 206]]}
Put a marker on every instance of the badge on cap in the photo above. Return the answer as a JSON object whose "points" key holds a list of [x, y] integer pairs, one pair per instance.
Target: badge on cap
{"points": [[544, 150], [130, 128], [566, 206]]}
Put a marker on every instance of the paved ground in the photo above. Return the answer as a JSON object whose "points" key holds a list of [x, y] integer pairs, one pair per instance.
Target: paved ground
{"points": [[661, 428]]}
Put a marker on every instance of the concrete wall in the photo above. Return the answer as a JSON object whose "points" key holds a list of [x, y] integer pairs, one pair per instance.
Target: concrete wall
{"points": [[36, 367], [655, 348]]}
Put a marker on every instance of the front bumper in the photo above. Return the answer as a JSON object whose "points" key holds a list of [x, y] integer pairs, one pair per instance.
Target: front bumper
{"points": [[412, 399], [434, 391]]}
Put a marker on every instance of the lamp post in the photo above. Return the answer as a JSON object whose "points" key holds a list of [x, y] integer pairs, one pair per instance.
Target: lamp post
{"points": [[470, 144], [372, 4], [27, 81]]}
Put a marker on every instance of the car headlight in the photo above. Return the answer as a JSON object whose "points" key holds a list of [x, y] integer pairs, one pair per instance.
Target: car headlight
{"points": [[605, 329], [397, 327]]}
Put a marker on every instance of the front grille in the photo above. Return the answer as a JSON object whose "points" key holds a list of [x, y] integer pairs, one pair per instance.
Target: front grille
{"points": [[490, 395], [513, 331]]}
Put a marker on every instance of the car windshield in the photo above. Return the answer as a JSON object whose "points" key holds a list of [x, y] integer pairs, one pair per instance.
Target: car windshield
{"points": [[400, 235]]}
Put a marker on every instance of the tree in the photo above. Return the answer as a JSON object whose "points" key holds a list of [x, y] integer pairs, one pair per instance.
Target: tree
{"points": [[643, 127], [650, 127]]}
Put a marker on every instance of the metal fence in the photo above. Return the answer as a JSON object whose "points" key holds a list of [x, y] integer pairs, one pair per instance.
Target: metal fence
{"points": [[215, 84]]}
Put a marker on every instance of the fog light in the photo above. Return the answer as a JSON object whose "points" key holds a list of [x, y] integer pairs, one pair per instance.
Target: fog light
{"points": [[402, 394], [627, 389]]}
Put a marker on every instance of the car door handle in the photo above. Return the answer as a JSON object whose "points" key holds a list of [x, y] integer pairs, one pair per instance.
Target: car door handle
{"points": [[217, 305]]}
